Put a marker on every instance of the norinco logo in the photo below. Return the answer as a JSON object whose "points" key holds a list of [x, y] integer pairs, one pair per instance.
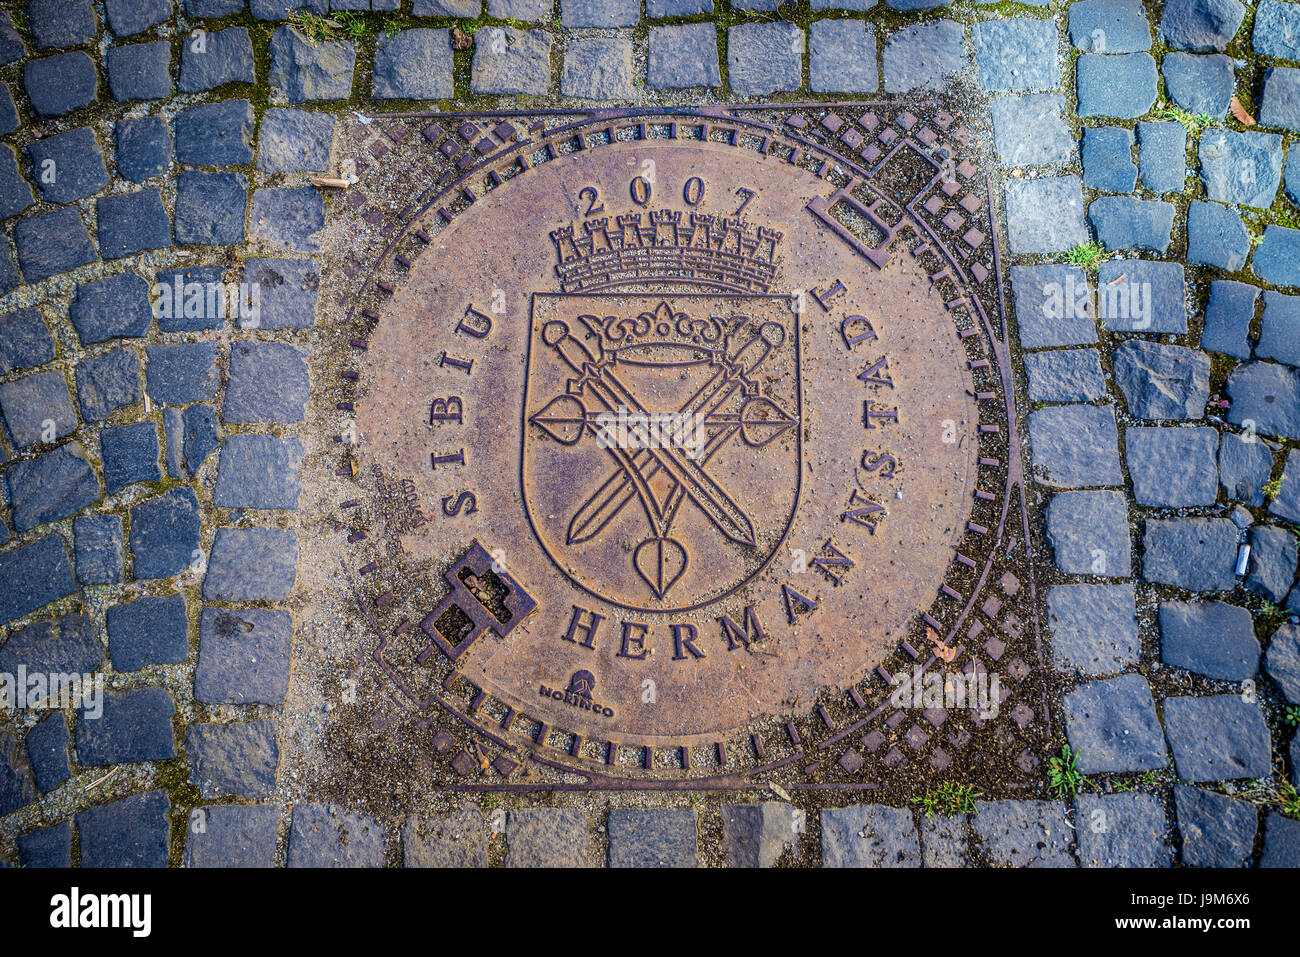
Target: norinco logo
{"points": [[578, 694]]}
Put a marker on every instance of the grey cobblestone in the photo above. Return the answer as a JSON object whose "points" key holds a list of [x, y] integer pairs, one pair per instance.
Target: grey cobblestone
{"points": [[1217, 738], [232, 836], [131, 832], [652, 837], [683, 56], [1023, 833]]}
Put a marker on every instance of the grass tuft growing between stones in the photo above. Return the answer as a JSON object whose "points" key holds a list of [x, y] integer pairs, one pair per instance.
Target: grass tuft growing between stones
{"points": [[948, 799], [1062, 775]]}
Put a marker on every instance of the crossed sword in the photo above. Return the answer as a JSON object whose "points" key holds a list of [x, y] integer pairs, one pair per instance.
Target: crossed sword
{"points": [[637, 468]]}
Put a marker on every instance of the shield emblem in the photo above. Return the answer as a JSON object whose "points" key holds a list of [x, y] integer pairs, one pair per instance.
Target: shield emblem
{"points": [[662, 441]]}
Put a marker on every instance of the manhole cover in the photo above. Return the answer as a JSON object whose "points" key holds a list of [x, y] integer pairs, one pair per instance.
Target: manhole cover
{"points": [[682, 431]]}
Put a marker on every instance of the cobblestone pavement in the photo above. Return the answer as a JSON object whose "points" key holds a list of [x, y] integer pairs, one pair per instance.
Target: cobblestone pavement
{"points": [[154, 451]]}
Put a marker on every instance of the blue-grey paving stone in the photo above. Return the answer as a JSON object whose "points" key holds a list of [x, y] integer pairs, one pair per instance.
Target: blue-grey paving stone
{"points": [[57, 85], [46, 847], [1281, 842], [1200, 24], [202, 434], [1045, 215], [756, 835], [1217, 738], [32, 575], [277, 9], [15, 192], [1094, 628], [1283, 659], [128, 17], [1244, 468], [1112, 726], [148, 631], [1216, 237], [683, 56], [655, 9], [581, 14], [232, 836], [8, 111], [1173, 467], [288, 217], [326, 836], [227, 57], [1277, 30], [1089, 533], [1280, 103], [238, 758], [215, 134], [47, 751], [140, 71], [165, 533], [251, 564], [68, 166], [190, 300], [869, 835], [25, 340], [107, 382], [1202, 84], [295, 141], [470, 9], [215, 8], [1162, 382], [51, 486], [1137, 295], [131, 222], [457, 838], [143, 147], [1199, 554], [923, 56], [1028, 130], [268, 382], [1023, 833], [31, 404], [286, 291], [258, 471], [684, 8], [1075, 446], [182, 373], [61, 23], [546, 837], [98, 548], [9, 278], [1279, 336], [413, 64], [509, 61], [532, 11], [16, 787], [1108, 159], [1211, 638], [136, 726], [132, 832], [243, 656], [1017, 54], [1126, 222], [1109, 26], [1072, 375], [112, 308], [1291, 179], [1218, 831], [11, 44], [1228, 315], [1121, 85], [130, 455], [66, 648], [945, 841], [842, 57], [764, 58], [1272, 563], [1277, 260], [1268, 395], [598, 68], [1121, 830], [652, 837], [1162, 156], [1241, 168], [305, 71], [174, 441]]}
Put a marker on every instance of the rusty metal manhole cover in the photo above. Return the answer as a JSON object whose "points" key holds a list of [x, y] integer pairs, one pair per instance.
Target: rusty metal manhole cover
{"points": [[683, 433]]}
